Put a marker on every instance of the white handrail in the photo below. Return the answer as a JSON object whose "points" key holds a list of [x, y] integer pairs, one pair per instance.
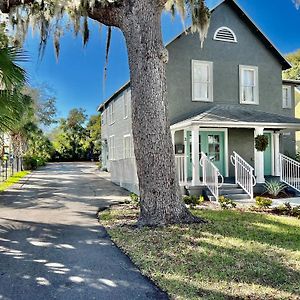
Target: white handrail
{"points": [[180, 168], [211, 174], [289, 171], [244, 174]]}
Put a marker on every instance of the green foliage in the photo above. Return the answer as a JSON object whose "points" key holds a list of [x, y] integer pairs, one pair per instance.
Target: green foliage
{"points": [[226, 203], [193, 200], [294, 72], [73, 139], [274, 187], [29, 163], [135, 199], [263, 202], [261, 142], [288, 210]]}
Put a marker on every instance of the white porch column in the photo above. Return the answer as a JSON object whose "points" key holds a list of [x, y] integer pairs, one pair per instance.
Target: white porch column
{"points": [[173, 139], [195, 155], [259, 158], [276, 154]]}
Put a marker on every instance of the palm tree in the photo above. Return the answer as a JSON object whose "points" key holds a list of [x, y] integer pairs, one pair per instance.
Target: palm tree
{"points": [[12, 79]]}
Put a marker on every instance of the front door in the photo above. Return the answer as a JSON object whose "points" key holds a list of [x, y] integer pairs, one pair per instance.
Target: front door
{"points": [[268, 156], [212, 144]]}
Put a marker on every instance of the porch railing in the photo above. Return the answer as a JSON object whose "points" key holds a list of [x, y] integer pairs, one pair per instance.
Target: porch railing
{"points": [[180, 169], [244, 174], [289, 171], [211, 175]]}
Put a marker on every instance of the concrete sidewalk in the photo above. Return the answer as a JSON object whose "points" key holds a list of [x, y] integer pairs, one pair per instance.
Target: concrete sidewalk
{"points": [[52, 246]]}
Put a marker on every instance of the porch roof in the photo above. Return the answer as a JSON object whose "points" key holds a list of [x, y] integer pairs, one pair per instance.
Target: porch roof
{"points": [[238, 116]]}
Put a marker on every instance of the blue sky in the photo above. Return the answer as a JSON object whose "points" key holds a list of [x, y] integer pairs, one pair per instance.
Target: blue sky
{"points": [[77, 78]]}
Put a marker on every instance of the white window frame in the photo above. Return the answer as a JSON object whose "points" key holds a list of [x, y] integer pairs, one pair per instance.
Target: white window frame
{"points": [[128, 153], [112, 148], [103, 119], [210, 91], [287, 103], [111, 113], [256, 82], [224, 40], [126, 99]]}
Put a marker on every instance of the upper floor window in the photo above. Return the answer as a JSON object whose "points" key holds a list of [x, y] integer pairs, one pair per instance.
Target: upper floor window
{"points": [[126, 99], [225, 34], [202, 81], [249, 85], [103, 117], [111, 113], [286, 96]]}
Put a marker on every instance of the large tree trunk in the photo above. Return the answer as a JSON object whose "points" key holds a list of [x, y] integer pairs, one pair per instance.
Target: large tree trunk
{"points": [[161, 202]]}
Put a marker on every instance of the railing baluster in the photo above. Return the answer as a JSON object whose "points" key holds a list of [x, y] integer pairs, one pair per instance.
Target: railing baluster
{"points": [[289, 171]]}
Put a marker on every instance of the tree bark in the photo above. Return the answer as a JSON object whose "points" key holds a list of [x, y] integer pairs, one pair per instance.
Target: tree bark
{"points": [[161, 201]]}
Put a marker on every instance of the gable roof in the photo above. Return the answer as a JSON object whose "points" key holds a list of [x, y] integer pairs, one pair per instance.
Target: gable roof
{"points": [[285, 64]]}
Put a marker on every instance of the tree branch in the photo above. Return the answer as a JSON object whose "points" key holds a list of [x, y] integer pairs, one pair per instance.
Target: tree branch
{"points": [[7, 5]]}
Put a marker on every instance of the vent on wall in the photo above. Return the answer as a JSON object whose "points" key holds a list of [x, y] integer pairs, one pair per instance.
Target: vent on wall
{"points": [[225, 34]]}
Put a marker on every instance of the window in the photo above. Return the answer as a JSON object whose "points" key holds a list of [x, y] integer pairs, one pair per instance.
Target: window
{"points": [[103, 117], [111, 113], [127, 146], [126, 97], [286, 96], [225, 34], [249, 85], [111, 147], [202, 81]]}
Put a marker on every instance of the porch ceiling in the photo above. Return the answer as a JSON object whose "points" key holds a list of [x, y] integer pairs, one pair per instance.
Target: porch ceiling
{"points": [[238, 116]]}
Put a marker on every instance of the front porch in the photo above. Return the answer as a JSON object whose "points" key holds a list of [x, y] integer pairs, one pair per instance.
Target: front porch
{"points": [[210, 152]]}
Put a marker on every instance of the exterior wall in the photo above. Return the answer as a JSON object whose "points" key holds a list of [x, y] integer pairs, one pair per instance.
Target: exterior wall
{"points": [[226, 58], [242, 142], [123, 169]]}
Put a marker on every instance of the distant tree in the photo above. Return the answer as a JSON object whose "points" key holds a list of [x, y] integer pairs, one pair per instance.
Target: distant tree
{"points": [[94, 134], [294, 72]]}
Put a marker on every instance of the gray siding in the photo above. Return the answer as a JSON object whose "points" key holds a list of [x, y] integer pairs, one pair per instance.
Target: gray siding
{"points": [[242, 142], [226, 58]]}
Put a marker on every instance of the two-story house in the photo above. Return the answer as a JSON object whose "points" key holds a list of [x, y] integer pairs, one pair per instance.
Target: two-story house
{"points": [[220, 98]]}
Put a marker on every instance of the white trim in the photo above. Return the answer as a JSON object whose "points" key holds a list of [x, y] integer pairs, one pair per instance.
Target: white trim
{"points": [[288, 103], [226, 158], [256, 82], [182, 125], [224, 39], [209, 64]]}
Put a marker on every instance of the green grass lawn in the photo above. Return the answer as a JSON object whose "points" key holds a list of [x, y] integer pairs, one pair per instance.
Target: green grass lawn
{"points": [[236, 255], [13, 180]]}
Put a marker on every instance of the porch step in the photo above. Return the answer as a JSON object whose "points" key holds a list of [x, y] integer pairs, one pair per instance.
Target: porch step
{"points": [[236, 190], [237, 196]]}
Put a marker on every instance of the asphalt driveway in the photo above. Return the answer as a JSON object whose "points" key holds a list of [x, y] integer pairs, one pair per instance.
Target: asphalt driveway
{"points": [[51, 245]]}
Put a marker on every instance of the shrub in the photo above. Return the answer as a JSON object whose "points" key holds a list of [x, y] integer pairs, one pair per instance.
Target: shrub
{"points": [[193, 200], [263, 202], [288, 210], [274, 187], [29, 163], [226, 203], [135, 199]]}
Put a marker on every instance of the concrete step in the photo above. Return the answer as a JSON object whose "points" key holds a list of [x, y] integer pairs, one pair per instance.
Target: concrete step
{"points": [[229, 186], [237, 196], [231, 191]]}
